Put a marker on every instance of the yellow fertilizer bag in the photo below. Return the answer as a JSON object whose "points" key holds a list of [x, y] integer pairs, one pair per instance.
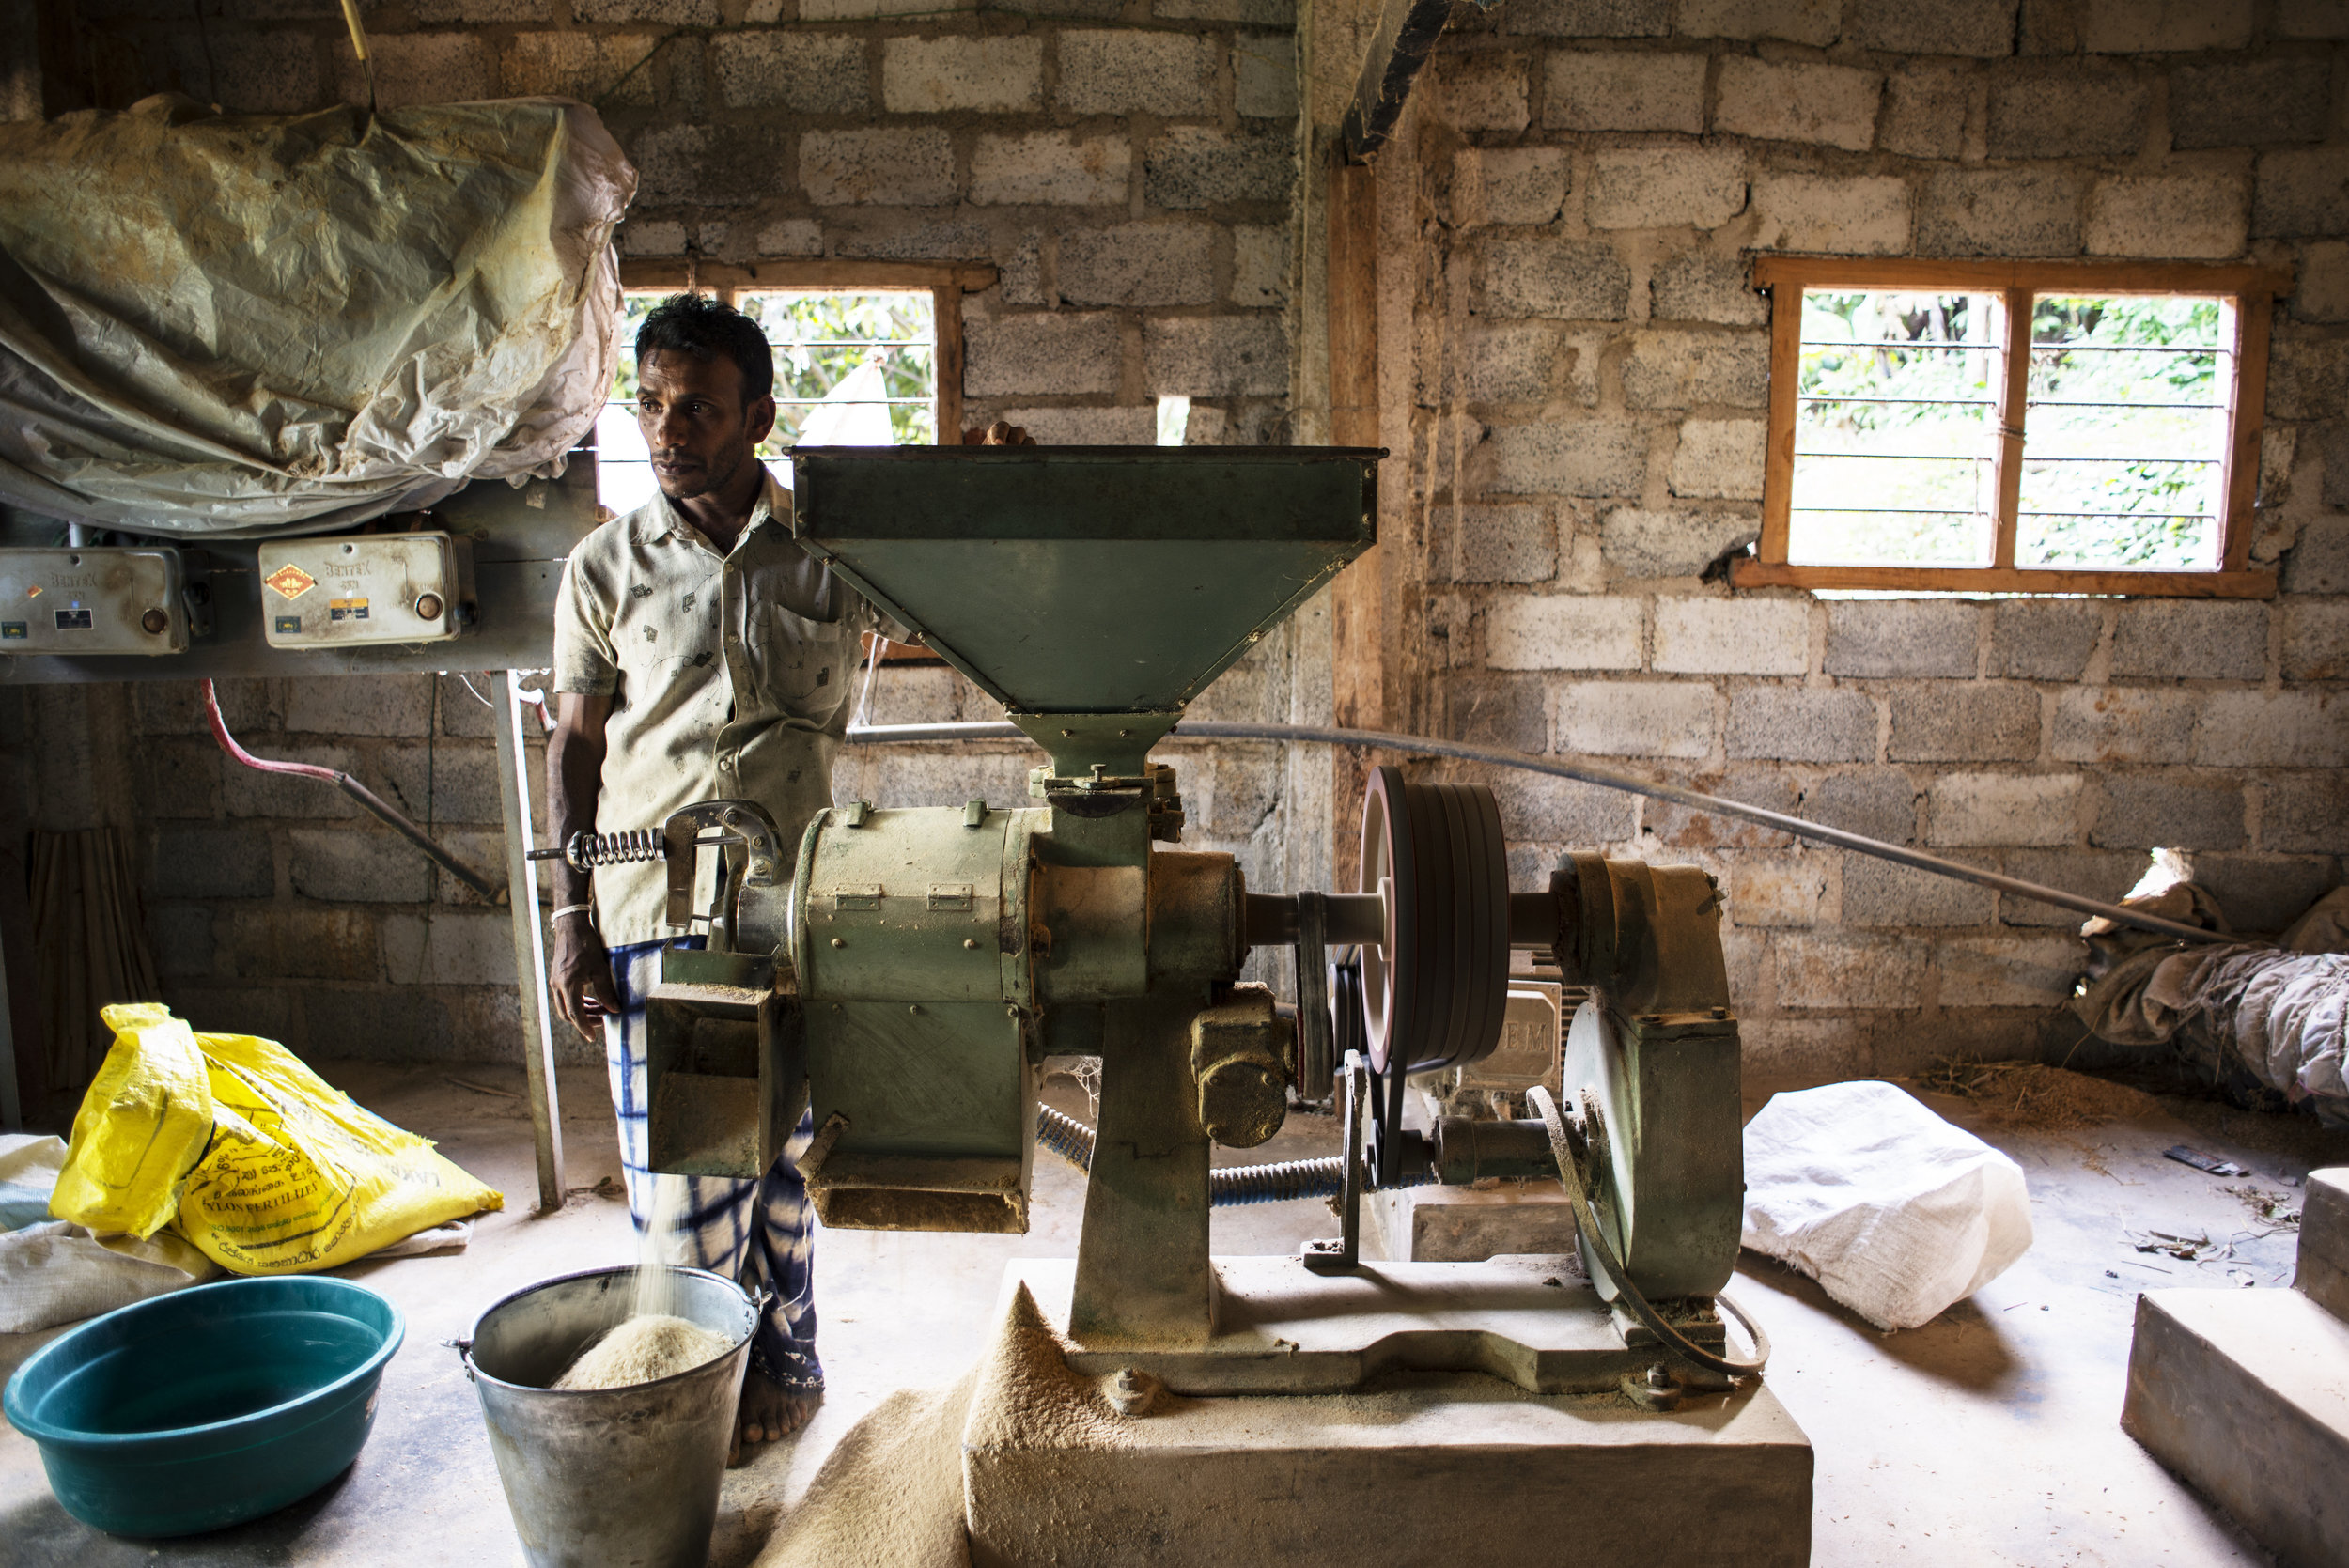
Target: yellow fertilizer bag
{"points": [[241, 1148]]}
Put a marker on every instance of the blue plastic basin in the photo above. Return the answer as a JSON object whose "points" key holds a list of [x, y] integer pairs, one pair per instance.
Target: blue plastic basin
{"points": [[207, 1407]]}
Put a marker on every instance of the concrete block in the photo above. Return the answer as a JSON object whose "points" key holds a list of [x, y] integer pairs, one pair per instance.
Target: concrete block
{"points": [[2146, 811], [1058, 353], [1732, 637], [1460, 1224], [2265, 893], [2281, 729], [1560, 812], [2305, 380], [1718, 459], [1858, 974], [1677, 827], [698, 165], [1137, 72], [990, 74], [1839, 215], [1498, 710], [1969, 721], [2125, 724], [2249, 103], [178, 778], [2198, 216], [1561, 279], [408, 1024], [1924, 109], [892, 169], [1670, 368], [1795, 724], [2319, 559], [2324, 1271], [344, 865], [1191, 166], [360, 705], [451, 947], [1886, 894], [816, 74], [1634, 719], [1264, 75], [2163, 26], [2223, 1391], [641, 238], [2068, 113], [892, 234], [1564, 631], [1880, 802], [1134, 426], [1902, 637], [2304, 811], [848, 10], [2042, 639], [2000, 212], [2026, 809], [2312, 19], [1260, 266], [1981, 28], [674, 13], [1637, 543], [2008, 971], [483, 10], [2186, 639], [1591, 19], [1777, 891], [1670, 186], [1062, 168], [210, 863], [1583, 457], [1479, 92], [420, 68], [2301, 191], [583, 66], [2092, 873], [2322, 291], [2316, 639], [1812, 22], [1217, 356], [1138, 264], [1797, 100], [1519, 362], [300, 941], [1256, 13], [1619, 90], [181, 936], [1696, 287], [177, 707], [1496, 544], [1510, 186]]}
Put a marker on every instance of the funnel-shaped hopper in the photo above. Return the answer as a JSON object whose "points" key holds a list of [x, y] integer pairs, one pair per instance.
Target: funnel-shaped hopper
{"points": [[1087, 579]]}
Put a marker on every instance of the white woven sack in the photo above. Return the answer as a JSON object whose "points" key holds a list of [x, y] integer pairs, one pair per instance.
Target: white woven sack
{"points": [[1890, 1208]]}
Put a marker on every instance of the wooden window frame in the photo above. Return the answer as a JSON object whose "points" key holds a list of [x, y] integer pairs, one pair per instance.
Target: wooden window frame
{"points": [[944, 282], [2253, 289]]}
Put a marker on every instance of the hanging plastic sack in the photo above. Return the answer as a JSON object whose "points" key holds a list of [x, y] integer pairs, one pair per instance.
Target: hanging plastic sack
{"points": [[232, 1143], [1890, 1208]]}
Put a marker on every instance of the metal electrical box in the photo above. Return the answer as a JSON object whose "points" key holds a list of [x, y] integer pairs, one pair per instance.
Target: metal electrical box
{"points": [[92, 601], [348, 590]]}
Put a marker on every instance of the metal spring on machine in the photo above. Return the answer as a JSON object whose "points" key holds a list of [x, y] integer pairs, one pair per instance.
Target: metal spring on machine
{"points": [[587, 850], [1228, 1187]]}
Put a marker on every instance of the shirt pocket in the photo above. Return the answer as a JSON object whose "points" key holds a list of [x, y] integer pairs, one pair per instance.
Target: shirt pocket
{"points": [[804, 665]]}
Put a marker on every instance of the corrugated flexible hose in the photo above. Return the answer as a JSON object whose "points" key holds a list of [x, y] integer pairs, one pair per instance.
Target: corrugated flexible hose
{"points": [[1227, 1187]]}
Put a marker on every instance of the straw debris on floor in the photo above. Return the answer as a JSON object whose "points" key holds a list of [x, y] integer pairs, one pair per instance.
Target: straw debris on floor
{"points": [[2034, 1095]]}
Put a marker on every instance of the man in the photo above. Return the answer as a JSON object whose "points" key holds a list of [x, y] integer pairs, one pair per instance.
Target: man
{"points": [[699, 653]]}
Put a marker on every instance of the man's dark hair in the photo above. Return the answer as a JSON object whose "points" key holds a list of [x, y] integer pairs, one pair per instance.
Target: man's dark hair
{"points": [[709, 329]]}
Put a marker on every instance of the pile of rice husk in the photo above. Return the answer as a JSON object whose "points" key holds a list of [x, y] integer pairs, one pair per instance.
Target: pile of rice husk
{"points": [[2034, 1095]]}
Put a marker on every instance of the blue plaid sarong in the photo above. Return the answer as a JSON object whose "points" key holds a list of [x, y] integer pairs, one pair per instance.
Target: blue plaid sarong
{"points": [[761, 1233]]}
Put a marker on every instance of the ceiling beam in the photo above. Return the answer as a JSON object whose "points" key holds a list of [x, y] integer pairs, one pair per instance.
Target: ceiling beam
{"points": [[1405, 37]]}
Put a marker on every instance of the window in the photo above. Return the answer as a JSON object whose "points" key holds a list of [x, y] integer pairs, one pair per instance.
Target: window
{"points": [[2013, 427], [864, 356]]}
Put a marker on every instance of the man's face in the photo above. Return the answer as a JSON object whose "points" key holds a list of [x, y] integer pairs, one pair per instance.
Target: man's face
{"points": [[691, 413]]}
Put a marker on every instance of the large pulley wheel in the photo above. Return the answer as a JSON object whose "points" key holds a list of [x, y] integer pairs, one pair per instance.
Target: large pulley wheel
{"points": [[1434, 991]]}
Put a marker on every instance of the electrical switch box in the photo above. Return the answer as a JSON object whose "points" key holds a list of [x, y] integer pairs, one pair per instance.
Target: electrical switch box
{"points": [[92, 601], [354, 589]]}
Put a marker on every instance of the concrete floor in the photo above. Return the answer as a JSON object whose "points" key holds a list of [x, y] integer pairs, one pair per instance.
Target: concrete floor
{"points": [[1989, 1436]]}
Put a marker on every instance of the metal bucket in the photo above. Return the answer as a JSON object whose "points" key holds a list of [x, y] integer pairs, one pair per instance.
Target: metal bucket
{"points": [[607, 1478]]}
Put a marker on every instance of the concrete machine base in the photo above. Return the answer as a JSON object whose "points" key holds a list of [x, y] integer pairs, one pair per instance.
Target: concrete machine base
{"points": [[1462, 1224], [1389, 1416]]}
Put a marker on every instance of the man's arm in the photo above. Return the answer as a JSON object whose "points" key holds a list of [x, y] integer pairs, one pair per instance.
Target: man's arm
{"points": [[580, 971]]}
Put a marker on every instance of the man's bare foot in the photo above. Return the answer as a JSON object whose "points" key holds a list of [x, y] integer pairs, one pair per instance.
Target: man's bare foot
{"points": [[769, 1412]]}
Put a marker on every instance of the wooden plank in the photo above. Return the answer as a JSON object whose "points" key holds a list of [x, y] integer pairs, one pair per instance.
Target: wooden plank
{"points": [[2254, 316], [2108, 277], [530, 953], [2014, 399], [946, 325], [879, 277], [2017, 580], [1778, 467], [1356, 615]]}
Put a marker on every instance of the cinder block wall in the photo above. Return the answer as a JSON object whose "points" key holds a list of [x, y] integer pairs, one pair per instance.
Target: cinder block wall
{"points": [[1591, 372]]}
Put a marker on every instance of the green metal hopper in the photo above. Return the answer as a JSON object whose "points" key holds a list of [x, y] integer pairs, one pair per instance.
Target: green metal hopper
{"points": [[1092, 590]]}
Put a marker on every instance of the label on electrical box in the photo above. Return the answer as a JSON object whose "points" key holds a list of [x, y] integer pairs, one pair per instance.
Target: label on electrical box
{"points": [[97, 600], [373, 588]]}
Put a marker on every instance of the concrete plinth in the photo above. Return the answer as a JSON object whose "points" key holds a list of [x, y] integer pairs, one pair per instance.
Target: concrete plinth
{"points": [[1462, 1224], [1424, 1466], [2246, 1394]]}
